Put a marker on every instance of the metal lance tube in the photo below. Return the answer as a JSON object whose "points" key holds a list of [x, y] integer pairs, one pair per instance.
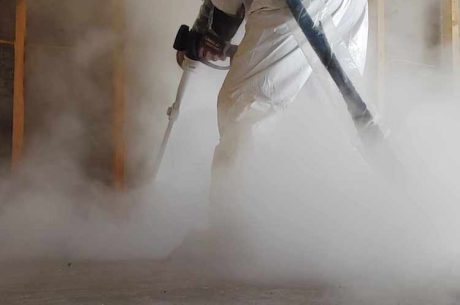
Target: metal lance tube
{"points": [[316, 36], [187, 42], [188, 66]]}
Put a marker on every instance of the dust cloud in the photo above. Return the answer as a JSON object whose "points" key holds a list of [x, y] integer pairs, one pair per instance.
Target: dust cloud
{"points": [[302, 205]]}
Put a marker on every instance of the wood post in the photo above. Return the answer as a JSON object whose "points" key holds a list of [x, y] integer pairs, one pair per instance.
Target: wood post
{"points": [[377, 52], [450, 33], [18, 98], [118, 126], [381, 53]]}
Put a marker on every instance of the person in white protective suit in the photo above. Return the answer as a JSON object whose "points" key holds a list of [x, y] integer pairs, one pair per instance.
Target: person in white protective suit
{"points": [[269, 68], [266, 74]]}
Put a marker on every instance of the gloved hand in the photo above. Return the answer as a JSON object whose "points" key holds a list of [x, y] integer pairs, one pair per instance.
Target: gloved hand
{"points": [[212, 48], [208, 48], [209, 39], [180, 56]]}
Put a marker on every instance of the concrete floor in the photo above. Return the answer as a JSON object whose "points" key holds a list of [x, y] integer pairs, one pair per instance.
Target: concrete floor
{"points": [[138, 283]]}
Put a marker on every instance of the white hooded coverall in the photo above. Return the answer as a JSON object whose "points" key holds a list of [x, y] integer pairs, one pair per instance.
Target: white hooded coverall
{"points": [[269, 68], [266, 74]]}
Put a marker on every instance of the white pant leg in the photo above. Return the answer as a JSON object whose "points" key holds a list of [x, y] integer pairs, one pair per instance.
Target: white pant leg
{"points": [[267, 73], [269, 68]]}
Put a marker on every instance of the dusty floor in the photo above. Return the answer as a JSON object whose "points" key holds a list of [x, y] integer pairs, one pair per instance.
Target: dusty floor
{"points": [[137, 283]]}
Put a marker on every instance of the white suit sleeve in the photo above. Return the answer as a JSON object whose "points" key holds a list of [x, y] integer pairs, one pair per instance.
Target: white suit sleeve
{"points": [[230, 7]]}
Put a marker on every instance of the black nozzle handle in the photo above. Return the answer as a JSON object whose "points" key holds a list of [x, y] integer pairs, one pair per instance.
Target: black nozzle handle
{"points": [[182, 38], [190, 43]]}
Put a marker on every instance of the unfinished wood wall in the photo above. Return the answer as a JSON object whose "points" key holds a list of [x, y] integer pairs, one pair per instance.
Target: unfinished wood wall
{"points": [[75, 69], [59, 82], [431, 40]]}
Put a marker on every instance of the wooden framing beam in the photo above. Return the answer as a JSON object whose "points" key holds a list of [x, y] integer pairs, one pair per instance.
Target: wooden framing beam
{"points": [[450, 32], [18, 95], [118, 125], [6, 42], [455, 35], [377, 53], [381, 53]]}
